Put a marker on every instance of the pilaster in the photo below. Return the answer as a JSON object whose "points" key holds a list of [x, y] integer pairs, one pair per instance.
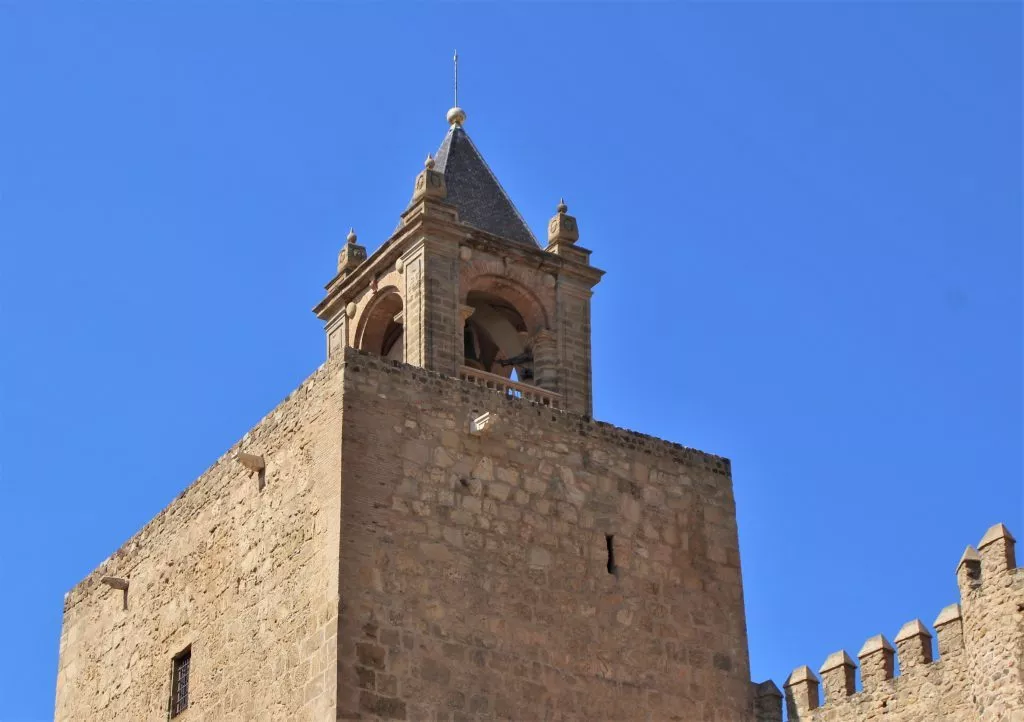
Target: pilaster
{"points": [[433, 314]]}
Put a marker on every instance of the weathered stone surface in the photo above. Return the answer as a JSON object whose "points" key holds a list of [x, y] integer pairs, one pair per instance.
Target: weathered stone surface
{"points": [[977, 677], [242, 575], [428, 588], [521, 619]]}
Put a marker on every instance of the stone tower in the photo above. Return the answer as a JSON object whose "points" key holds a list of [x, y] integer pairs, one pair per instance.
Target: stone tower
{"points": [[463, 288], [431, 527]]}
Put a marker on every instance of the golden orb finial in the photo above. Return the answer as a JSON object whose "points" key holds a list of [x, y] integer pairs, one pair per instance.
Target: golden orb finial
{"points": [[351, 237], [456, 116]]}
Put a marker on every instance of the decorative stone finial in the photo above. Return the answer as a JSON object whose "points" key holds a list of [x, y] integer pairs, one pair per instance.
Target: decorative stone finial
{"points": [[351, 254], [562, 228], [429, 183], [456, 116]]}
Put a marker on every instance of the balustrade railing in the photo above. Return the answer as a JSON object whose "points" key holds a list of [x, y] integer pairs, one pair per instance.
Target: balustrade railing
{"points": [[512, 389]]}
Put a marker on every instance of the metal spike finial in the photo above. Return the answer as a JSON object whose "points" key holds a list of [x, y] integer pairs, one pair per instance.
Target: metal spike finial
{"points": [[456, 116], [562, 208], [351, 237], [429, 162]]}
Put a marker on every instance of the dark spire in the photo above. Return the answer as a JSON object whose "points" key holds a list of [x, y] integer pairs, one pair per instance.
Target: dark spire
{"points": [[472, 188]]}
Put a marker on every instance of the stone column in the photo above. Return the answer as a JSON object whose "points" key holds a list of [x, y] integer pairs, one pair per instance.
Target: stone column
{"points": [[572, 302], [545, 360], [575, 380], [434, 325]]}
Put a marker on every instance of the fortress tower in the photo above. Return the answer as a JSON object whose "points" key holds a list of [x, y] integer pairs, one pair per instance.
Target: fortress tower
{"points": [[431, 527]]}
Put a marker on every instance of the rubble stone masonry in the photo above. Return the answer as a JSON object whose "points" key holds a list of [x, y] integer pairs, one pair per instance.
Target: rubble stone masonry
{"points": [[475, 576], [421, 548], [399, 564], [247, 577], [976, 678]]}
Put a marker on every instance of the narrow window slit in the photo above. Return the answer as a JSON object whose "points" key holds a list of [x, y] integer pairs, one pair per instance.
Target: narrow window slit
{"points": [[610, 541], [180, 669]]}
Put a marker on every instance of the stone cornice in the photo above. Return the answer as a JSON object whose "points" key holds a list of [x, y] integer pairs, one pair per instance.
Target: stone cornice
{"points": [[422, 223]]}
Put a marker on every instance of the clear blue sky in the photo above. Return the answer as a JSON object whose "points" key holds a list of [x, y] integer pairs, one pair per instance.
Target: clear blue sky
{"points": [[810, 217]]}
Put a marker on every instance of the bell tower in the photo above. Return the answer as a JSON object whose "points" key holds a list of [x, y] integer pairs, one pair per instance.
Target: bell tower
{"points": [[462, 287]]}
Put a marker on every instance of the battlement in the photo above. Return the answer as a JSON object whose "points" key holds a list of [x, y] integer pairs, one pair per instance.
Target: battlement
{"points": [[977, 675]]}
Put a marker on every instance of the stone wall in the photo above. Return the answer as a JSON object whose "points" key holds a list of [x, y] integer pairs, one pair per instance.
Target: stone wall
{"points": [[978, 673], [246, 576], [474, 567]]}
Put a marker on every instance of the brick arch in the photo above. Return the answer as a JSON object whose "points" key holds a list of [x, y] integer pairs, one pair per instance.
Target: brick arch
{"points": [[374, 323], [522, 290]]}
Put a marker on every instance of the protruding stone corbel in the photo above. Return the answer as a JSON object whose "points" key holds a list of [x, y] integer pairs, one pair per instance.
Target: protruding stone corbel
{"points": [[482, 424], [255, 465], [838, 676], [119, 584], [913, 645]]}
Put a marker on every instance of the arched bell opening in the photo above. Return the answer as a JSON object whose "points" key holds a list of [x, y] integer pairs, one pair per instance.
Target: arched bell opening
{"points": [[496, 338], [381, 330]]}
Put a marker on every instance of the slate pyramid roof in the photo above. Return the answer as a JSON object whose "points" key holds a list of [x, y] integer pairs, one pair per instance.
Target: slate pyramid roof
{"points": [[475, 192]]}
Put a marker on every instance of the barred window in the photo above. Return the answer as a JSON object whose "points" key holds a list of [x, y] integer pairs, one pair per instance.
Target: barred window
{"points": [[179, 681]]}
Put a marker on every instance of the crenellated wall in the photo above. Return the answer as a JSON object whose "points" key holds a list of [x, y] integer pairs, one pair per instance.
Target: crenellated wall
{"points": [[977, 676]]}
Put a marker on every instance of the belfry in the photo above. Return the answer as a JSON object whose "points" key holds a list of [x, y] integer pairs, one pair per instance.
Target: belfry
{"points": [[462, 286]]}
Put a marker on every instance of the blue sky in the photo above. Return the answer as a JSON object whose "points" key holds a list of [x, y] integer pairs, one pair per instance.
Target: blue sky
{"points": [[810, 217]]}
